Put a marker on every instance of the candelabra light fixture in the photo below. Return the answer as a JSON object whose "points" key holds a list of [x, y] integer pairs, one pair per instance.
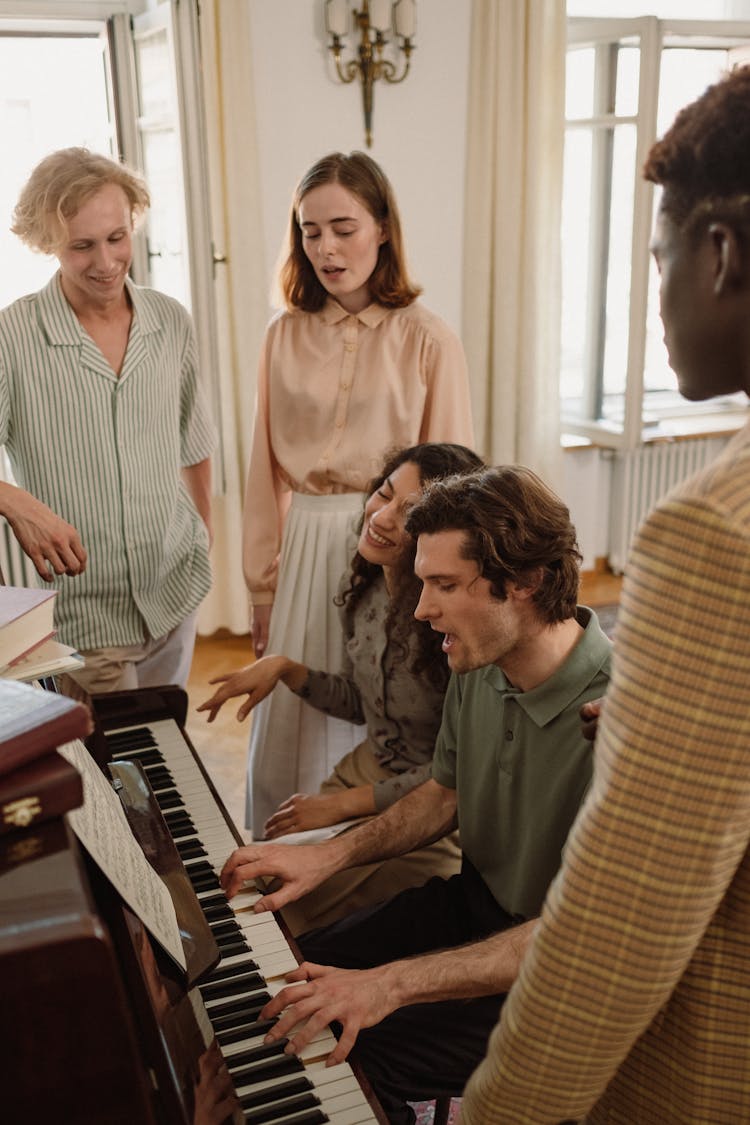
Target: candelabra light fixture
{"points": [[374, 22]]}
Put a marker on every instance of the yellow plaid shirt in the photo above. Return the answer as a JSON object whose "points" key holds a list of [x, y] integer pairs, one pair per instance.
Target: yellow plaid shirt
{"points": [[633, 1005]]}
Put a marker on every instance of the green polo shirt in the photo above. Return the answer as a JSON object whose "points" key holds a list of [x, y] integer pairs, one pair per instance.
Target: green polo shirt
{"points": [[105, 453], [521, 767]]}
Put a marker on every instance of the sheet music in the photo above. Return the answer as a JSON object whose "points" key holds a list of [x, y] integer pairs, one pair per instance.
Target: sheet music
{"points": [[102, 827]]}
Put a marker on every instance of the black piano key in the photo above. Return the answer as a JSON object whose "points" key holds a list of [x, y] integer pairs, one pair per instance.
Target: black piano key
{"points": [[202, 869], [217, 913], [169, 799], [212, 899], [299, 1085], [231, 972], [203, 883], [244, 1030], [238, 1063], [231, 948], [136, 736], [246, 1005], [272, 1068], [159, 777], [189, 849], [245, 982], [225, 928], [180, 825], [285, 1109]]}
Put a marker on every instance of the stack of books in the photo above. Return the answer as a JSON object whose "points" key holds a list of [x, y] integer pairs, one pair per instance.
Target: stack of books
{"points": [[28, 650], [37, 783]]}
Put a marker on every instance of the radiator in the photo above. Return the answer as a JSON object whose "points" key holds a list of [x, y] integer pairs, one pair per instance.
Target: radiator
{"points": [[639, 480]]}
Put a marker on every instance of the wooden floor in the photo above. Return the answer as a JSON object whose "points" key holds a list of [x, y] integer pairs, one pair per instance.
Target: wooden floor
{"points": [[222, 744]]}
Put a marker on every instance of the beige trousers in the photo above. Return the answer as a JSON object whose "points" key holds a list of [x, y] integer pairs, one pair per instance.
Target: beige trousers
{"points": [[350, 890]]}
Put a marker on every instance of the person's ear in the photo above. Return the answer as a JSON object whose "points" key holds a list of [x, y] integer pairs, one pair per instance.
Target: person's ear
{"points": [[532, 580], [384, 235], [730, 266]]}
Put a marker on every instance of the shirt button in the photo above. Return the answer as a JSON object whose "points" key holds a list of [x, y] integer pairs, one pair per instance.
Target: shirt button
{"points": [[509, 735], [344, 386], [349, 347], [339, 425]]}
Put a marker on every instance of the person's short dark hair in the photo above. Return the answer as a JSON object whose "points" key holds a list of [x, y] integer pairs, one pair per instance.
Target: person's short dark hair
{"points": [[703, 160], [515, 529], [389, 283]]}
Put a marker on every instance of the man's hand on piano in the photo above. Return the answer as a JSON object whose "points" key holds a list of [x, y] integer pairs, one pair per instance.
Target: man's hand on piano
{"points": [[300, 868], [53, 545], [355, 998]]}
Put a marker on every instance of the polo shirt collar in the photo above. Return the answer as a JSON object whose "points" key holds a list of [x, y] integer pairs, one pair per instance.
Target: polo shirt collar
{"points": [[333, 313], [544, 703]]}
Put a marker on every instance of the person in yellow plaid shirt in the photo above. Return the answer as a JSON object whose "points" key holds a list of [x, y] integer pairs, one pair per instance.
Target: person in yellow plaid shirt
{"points": [[633, 1003]]}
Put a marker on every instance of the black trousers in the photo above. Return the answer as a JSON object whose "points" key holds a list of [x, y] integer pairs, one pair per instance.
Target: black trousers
{"points": [[420, 1051]]}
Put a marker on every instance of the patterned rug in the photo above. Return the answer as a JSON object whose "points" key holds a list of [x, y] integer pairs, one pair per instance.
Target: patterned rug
{"points": [[425, 1111]]}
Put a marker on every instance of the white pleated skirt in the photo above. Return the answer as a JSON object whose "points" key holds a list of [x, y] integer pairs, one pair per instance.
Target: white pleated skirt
{"points": [[293, 747]]}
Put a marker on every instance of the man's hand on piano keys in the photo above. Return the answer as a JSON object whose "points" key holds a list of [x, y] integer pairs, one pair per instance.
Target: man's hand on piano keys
{"points": [[299, 867], [355, 998]]}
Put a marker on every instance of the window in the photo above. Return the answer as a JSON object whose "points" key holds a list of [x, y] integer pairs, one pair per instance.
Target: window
{"points": [[626, 80]]}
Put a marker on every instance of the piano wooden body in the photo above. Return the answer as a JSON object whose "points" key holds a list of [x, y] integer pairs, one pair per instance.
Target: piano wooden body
{"points": [[100, 1026]]}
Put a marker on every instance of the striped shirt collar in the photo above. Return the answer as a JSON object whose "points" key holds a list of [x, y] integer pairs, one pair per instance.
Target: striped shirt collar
{"points": [[61, 325]]}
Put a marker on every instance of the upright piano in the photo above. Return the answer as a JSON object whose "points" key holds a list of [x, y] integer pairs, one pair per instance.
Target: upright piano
{"points": [[100, 1026]]}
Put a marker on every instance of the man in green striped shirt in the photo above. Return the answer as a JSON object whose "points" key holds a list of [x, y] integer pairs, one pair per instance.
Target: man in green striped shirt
{"points": [[107, 431]]}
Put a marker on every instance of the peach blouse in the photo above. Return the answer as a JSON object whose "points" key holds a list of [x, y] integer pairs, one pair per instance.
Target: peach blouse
{"points": [[335, 391]]}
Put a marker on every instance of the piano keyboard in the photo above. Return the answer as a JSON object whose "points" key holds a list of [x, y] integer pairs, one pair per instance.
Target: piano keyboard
{"points": [[271, 1087]]}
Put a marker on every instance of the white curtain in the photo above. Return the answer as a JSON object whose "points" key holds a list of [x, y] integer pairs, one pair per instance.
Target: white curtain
{"points": [[241, 286], [511, 314]]}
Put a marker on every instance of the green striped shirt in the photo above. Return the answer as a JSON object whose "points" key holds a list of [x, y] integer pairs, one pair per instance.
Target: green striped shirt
{"points": [[105, 453]]}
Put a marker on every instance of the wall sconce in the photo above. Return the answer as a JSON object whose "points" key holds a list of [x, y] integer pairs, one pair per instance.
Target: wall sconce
{"points": [[374, 20]]}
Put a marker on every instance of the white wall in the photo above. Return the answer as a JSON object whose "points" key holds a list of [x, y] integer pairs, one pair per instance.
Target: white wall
{"points": [[303, 112]]}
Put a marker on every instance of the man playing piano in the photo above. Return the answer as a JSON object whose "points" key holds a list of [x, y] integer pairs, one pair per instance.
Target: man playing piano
{"points": [[418, 981]]}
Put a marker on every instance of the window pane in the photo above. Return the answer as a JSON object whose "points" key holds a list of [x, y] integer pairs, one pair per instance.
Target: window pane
{"points": [[579, 83], [618, 273], [575, 259], [628, 71], [68, 107]]}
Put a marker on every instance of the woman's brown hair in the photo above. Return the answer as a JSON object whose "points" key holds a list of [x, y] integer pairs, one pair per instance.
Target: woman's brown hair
{"points": [[389, 282], [434, 461]]}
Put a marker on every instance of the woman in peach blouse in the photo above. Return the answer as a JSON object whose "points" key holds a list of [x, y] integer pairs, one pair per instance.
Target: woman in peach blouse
{"points": [[355, 365]]}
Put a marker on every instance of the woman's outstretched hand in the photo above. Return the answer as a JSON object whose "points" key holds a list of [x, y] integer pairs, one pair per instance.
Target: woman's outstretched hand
{"points": [[255, 681]]}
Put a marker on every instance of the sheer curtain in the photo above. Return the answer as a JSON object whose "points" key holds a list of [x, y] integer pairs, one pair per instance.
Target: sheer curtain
{"points": [[241, 287], [511, 314]]}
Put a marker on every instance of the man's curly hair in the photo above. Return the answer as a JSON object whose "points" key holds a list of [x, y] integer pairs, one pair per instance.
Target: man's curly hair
{"points": [[703, 160], [515, 529]]}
